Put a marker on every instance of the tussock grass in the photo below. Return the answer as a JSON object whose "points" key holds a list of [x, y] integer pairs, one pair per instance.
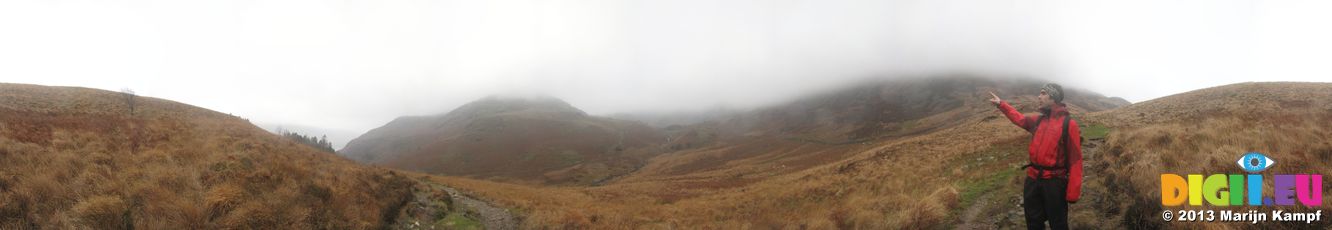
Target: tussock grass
{"points": [[1204, 132], [74, 158]]}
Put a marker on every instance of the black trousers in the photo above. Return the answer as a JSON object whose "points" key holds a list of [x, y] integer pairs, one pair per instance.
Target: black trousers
{"points": [[1043, 200]]}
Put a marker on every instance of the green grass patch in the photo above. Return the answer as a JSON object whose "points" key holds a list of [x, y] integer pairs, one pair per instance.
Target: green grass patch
{"points": [[975, 188], [457, 220], [1095, 131], [989, 175]]}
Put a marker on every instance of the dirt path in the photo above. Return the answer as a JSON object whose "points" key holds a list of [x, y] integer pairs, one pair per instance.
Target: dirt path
{"points": [[435, 206], [971, 217], [980, 215], [491, 216]]}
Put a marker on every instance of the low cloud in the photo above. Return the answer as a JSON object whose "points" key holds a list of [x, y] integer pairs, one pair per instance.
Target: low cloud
{"points": [[355, 65]]}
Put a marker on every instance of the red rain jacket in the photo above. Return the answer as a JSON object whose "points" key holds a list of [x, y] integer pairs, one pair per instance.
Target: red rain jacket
{"points": [[1045, 149]]}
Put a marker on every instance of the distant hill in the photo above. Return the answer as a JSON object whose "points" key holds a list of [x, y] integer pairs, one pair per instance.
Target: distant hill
{"points": [[678, 118], [75, 158], [531, 140]]}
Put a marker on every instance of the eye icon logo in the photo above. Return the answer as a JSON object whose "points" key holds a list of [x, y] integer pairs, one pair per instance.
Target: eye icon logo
{"points": [[1255, 162]]}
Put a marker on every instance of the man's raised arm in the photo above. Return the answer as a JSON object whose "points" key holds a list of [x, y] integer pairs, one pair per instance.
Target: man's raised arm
{"points": [[1012, 114]]}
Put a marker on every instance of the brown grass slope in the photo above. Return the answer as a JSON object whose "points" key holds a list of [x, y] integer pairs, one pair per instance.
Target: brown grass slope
{"points": [[74, 158], [521, 140], [1204, 132]]}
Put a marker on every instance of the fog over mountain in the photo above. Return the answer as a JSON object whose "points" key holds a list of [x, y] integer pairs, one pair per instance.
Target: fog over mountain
{"points": [[355, 65]]}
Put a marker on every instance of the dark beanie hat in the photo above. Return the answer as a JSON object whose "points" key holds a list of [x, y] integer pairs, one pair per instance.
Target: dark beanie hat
{"points": [[1055, 91]]}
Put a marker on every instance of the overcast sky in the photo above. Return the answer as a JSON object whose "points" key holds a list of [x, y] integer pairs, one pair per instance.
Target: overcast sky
{"points": [[349, 65]]}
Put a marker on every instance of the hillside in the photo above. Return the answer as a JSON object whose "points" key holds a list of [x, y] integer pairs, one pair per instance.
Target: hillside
{"points": [[521, 140], [964, 176], [76, 158], [1205, 131]]}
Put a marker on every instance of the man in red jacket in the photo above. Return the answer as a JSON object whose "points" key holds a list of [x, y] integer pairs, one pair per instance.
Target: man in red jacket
{"points": [[1054, 171]]}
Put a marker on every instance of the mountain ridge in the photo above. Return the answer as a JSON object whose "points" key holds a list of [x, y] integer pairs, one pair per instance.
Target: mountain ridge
{"points": [[528, 139]]}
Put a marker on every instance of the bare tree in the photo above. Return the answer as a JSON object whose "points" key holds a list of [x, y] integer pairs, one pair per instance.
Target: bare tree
{"points": [[129, 98]]}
